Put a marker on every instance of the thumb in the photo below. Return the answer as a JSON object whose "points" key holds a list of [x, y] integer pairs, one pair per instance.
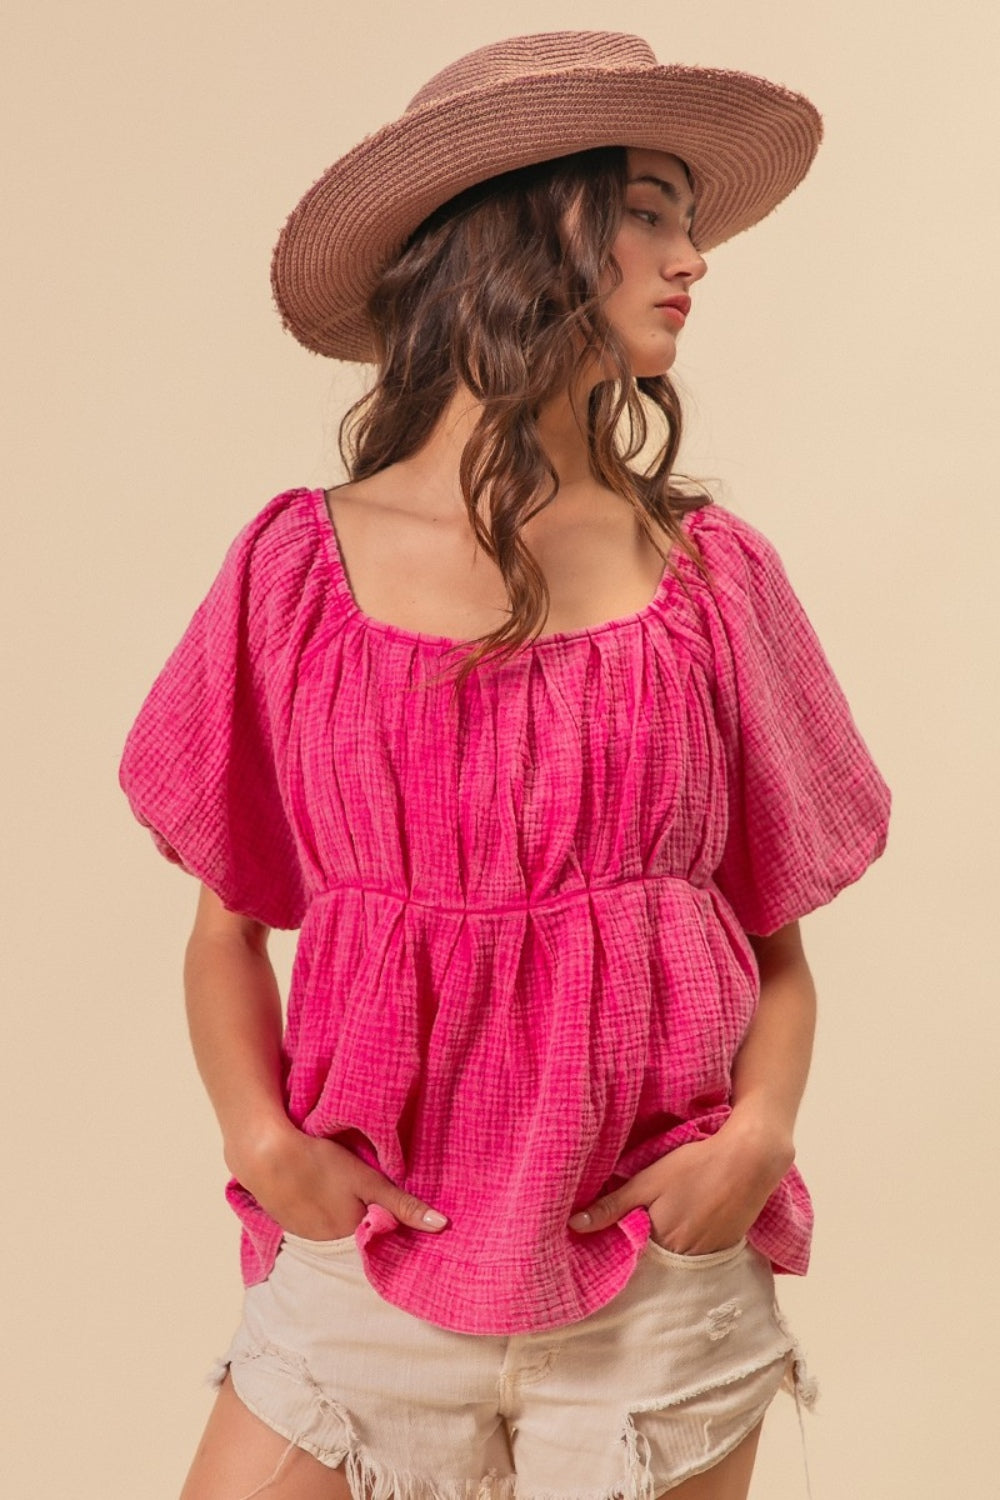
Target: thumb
{"points": [[603, 1211]]}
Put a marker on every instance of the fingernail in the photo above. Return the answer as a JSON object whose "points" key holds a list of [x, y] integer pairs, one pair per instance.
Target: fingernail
{"points": [[579, 1221], [433, 1217]]}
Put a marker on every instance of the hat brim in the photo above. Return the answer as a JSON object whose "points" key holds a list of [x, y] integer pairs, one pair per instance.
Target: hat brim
{"points": [[748, 143]]}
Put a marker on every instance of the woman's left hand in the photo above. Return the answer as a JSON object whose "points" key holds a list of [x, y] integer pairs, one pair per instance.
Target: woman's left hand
{"points": [[701, 1197]]}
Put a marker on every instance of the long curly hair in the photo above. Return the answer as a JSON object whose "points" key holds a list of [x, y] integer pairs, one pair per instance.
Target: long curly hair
{"points": [[500, 289]]}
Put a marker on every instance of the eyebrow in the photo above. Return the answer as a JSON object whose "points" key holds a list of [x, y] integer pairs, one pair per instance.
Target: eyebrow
{"points": [[669, 191]]}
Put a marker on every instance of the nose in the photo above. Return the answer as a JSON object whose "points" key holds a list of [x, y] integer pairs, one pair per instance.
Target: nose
{"points": [[684, 264]]}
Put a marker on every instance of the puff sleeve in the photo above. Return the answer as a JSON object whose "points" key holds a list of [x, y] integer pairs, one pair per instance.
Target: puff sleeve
{"points": [[808, 809], [201, 763]]}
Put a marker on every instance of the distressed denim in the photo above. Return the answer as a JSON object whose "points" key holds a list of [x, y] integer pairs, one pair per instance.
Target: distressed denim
{"points": [[652, 1388]]}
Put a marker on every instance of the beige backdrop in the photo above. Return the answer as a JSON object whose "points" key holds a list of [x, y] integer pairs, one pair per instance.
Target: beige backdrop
{"points": [[842, 378]]}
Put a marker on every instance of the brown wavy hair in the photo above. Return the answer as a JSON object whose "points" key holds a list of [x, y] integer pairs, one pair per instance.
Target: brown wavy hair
{"points": [[499, 289]]}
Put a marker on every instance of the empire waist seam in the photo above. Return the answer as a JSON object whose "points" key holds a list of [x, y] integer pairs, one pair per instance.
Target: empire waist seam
{"points": [[544, 903]]}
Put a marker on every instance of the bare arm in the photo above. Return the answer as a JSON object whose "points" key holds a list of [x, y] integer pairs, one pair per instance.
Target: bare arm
{"points": [[772, 1065], [234, 1021], [311, 1186]]}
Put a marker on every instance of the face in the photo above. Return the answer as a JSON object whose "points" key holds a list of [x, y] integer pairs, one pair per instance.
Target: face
{"points": [[658, 260]]}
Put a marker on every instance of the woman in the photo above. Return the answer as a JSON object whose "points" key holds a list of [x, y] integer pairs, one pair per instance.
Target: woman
{"points": [[543, 755]]}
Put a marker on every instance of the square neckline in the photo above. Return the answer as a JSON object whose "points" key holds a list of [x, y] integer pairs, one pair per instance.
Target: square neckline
{"points": [[341, 579]]}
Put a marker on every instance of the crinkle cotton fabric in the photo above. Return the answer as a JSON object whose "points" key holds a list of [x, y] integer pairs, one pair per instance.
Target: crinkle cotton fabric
{"points": [[523, 970]]}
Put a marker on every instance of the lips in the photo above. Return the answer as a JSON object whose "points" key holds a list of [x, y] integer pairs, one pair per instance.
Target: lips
{"points": [[682, 304]]}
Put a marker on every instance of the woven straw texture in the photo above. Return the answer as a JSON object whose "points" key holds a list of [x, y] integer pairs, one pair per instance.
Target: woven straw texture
{"points": [[746, 141]]}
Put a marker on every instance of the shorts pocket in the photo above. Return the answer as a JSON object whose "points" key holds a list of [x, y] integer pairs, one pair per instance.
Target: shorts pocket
{"points": [[696, 1262], [324, 1247]]}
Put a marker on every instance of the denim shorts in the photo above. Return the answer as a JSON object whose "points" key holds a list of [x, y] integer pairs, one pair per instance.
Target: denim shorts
{"points": [[654, 1387]]}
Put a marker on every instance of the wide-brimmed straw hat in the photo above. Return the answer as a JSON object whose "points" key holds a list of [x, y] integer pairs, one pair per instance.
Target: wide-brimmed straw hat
{"points": [[747, 143]]}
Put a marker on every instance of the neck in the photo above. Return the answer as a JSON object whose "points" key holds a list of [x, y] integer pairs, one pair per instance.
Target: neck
{"points": [[436, 464]]}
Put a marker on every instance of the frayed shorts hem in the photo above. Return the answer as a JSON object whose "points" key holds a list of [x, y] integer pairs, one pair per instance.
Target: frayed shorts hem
{"points": [[523, 1416], [369, 1479]]}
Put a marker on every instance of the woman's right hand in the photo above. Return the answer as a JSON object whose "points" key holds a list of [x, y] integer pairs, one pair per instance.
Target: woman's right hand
{"points": [[317, 1189]]}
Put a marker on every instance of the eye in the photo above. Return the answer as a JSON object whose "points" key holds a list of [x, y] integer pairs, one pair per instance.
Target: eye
{"points": [[647, 213]]}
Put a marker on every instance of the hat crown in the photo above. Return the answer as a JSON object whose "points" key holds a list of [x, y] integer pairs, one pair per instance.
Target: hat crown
{"points": [[527, 56]]}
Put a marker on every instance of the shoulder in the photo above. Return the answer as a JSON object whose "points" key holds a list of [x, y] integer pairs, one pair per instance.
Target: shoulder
{"points": [[742, 562], [725, 534], [284, 533], [745, 594], [280, 543], [274, 575]]}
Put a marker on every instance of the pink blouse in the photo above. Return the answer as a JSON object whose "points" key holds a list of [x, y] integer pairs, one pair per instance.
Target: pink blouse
{"points": [[523, 969]]}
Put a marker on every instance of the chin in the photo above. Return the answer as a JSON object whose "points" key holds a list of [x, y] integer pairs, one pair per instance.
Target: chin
{"points": [[649, 362], [645, 364], [648, 369]]}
